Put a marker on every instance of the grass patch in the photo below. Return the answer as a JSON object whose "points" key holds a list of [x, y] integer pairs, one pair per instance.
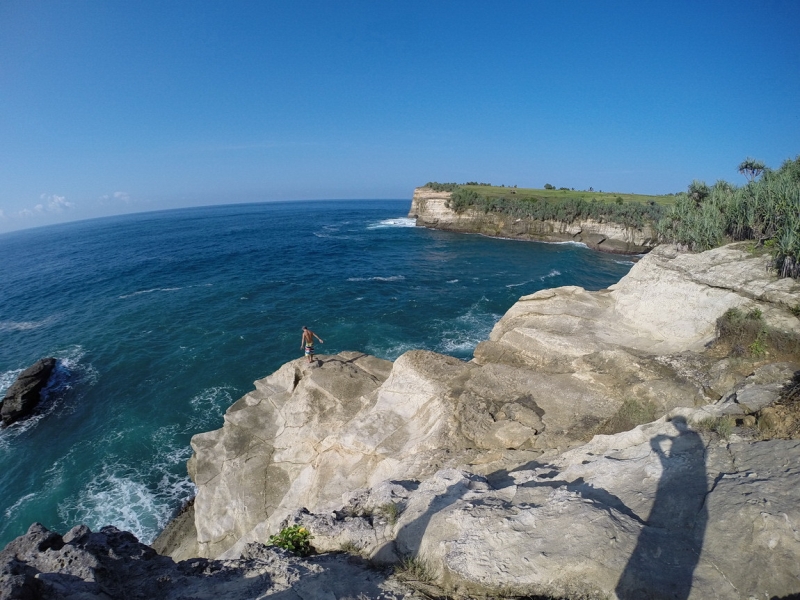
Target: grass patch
{"points": [[390, 510], [633, 412], [722, 426], [413, 568], [747, 334]]}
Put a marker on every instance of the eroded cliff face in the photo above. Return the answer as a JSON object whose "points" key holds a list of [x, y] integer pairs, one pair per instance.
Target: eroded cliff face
{"points": [[492, 469], [430, 209]]}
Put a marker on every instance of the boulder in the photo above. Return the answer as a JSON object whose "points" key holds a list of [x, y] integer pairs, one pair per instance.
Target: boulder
{"points": [[25, 393]]}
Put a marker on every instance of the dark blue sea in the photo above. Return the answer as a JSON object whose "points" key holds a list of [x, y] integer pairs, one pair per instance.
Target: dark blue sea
{"points": [[161, 320]]}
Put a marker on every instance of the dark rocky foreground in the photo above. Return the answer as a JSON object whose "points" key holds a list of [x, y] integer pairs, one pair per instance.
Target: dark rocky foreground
{"points": [[110, 563], [25, 393]]}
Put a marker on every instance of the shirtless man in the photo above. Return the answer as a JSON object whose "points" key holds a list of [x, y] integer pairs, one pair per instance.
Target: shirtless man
{"points": [[307, 343]]}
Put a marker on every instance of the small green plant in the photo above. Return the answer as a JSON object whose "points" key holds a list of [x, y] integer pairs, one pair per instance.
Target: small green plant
{"points": [[295, 539], [390, 510], [722, 426], [758, 347], [796, 310], [413, 568]]}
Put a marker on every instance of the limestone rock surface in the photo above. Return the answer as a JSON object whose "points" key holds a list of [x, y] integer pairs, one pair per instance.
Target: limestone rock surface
{"points": [[492, 470], [661, 511], [25, 393]]}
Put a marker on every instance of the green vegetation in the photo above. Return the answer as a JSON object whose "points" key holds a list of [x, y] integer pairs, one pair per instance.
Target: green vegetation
{"points": [[413, 568], [565, 208], [633, 412], [441, 187], [766, 210], [295, 539], [722, 426], [390, 510], [747, 334]]}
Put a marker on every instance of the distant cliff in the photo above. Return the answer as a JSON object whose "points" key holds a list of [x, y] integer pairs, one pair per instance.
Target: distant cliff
{"points": [[430, 209]]}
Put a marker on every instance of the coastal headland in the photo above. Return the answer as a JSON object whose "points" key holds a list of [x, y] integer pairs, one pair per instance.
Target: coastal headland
{"points": [[432, 209], [625, 443]]}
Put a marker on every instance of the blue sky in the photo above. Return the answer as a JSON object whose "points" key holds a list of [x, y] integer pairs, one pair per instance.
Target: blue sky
{"points": [[109, 106]]}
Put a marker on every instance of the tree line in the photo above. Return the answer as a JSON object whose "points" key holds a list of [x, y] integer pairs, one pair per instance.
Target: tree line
{"points": [[766, 210]]}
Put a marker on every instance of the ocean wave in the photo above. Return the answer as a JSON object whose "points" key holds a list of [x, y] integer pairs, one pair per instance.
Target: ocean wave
{"points": [[117, 496], [396, 222], [166, 289], [568, 243], [552, 273], [150, 291], [453, 281], [9, 512], [513, 285], [390, 278], [625, 262], [139, 497], [24, 325], [208, 407]]}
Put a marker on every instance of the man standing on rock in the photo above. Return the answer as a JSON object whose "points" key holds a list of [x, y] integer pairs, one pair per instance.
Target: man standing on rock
{"points": [[307, 342]]}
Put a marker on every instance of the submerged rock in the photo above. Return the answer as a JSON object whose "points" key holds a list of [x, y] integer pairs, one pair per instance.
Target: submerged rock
{"points": [[25, 393]]}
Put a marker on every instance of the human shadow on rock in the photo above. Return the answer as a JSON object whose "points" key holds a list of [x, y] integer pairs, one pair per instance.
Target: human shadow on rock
{"points": [[668, 548]]}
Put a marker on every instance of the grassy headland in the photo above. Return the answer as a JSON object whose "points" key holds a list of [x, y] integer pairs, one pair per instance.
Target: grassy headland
{"points": [[765, 210]]}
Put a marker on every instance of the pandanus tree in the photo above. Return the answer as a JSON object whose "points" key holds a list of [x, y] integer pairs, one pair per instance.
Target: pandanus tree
{"points": [[751, 168]]}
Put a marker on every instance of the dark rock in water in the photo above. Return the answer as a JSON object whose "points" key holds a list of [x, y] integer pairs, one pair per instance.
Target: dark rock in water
{"points": [[110, 563], [25, 393]]}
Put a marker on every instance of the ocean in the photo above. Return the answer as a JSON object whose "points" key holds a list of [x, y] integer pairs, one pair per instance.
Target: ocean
{"points": [[161, 320]]}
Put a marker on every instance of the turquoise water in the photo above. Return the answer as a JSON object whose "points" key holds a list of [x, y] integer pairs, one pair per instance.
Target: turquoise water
{"points": [[161, 320]]}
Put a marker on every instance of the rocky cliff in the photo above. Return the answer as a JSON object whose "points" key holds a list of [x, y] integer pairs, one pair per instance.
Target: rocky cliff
{"points": [[430, 209], [506, 472]]}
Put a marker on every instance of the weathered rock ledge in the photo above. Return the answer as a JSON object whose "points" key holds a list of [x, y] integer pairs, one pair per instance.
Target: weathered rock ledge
{"points": [[430, 209]]}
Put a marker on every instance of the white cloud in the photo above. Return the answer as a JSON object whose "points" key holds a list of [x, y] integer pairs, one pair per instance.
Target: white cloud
{"points": [[57, 203], [50, 204], [116, 196]]}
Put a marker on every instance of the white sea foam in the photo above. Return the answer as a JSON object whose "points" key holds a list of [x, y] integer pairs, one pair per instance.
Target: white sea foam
{"points": [[390, 278], [397, 222], [552, 273], [118, 497], [24, 325], [127, 496], [9, 512], [453, 281], [625, 262], [7, 378], [208, 406], [513, 285], [150, 291]]}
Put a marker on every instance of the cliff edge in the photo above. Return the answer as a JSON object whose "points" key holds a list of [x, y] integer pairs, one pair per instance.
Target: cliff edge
{"points": [[430, 209], [511, 470]]}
